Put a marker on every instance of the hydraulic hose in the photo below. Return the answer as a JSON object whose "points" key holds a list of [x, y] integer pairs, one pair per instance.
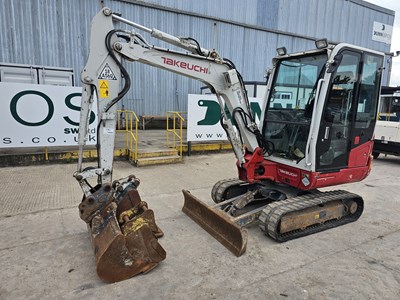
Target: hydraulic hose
{"points": [[127, 85]]}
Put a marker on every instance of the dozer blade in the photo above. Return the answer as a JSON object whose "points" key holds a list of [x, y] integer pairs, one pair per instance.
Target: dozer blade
{"points": [[217, 223]]}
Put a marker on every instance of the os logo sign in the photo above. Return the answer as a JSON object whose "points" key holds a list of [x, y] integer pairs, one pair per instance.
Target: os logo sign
{"points": [[204, 115], [14, 113], [41, 115], [17, 97]]}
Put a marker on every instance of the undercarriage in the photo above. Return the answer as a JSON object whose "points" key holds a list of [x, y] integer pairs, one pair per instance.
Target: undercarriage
{"points": [[283, 213]]}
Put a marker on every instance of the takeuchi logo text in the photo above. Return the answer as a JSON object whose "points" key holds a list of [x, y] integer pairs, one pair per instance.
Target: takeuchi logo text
{"points": [[184, 65], [291, 174]]}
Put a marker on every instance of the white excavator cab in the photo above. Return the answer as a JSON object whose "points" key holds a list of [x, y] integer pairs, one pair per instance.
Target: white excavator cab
{"points": [[329, 108]]}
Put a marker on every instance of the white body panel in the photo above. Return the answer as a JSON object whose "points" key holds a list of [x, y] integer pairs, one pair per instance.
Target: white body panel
{"points": [[388, 131]]}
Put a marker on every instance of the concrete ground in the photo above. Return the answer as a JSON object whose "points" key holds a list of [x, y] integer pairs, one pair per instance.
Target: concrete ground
{"points": [[45, 252]]}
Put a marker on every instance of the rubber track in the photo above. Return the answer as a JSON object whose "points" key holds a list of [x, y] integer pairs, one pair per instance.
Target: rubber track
{"points": [[221, 186], [270, 217]]}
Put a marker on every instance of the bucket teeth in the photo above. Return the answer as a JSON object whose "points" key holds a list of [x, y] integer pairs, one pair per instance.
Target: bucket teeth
{"points": [[217, 223], [124, 236]]}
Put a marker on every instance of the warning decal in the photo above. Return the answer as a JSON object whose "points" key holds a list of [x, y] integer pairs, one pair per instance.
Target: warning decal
{"points": [[107, 73], [103, 87]]}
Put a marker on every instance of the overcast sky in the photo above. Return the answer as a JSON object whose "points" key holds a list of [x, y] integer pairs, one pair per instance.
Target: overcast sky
{"points": [[393, 5]]}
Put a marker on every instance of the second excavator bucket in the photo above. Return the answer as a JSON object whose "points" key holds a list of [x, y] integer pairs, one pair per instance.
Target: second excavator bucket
{"points": [[217, 223], [124, 236]]}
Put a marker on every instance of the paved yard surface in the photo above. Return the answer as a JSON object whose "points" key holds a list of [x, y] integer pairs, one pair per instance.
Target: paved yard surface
{"points": [[45, 252]]}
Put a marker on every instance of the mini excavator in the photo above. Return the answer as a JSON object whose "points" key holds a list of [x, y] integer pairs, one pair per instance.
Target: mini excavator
{"points": [[316, 131]]}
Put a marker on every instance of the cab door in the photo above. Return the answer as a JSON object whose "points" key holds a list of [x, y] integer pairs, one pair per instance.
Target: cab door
{"points": [[365, 110], [334, 135], [349, 115]]}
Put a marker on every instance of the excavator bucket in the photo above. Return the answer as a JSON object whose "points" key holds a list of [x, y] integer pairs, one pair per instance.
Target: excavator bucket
{"points": [[124, 236], [217, 223]]}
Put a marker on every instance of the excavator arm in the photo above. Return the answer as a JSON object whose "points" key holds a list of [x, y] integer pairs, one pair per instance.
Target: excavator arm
{"points": [[102, 78], [119, 222]]}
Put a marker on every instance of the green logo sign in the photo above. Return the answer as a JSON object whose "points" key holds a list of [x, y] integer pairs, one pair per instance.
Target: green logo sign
{"points": [[213, 112]]}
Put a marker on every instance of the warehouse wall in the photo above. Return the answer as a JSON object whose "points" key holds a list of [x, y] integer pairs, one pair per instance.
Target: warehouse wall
{"points": [[337, 20], [55, 33]]}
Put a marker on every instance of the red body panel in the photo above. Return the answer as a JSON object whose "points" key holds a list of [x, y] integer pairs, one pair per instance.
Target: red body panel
{"points": [[257, 168], [361, 155]]}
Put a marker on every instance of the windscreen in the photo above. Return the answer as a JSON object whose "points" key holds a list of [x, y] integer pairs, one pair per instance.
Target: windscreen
{"points": [[290, 104]]}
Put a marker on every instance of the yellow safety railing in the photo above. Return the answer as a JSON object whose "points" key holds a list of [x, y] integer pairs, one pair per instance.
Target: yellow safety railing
{"points": [[176, 130], [128, 122], [387, 116]]}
